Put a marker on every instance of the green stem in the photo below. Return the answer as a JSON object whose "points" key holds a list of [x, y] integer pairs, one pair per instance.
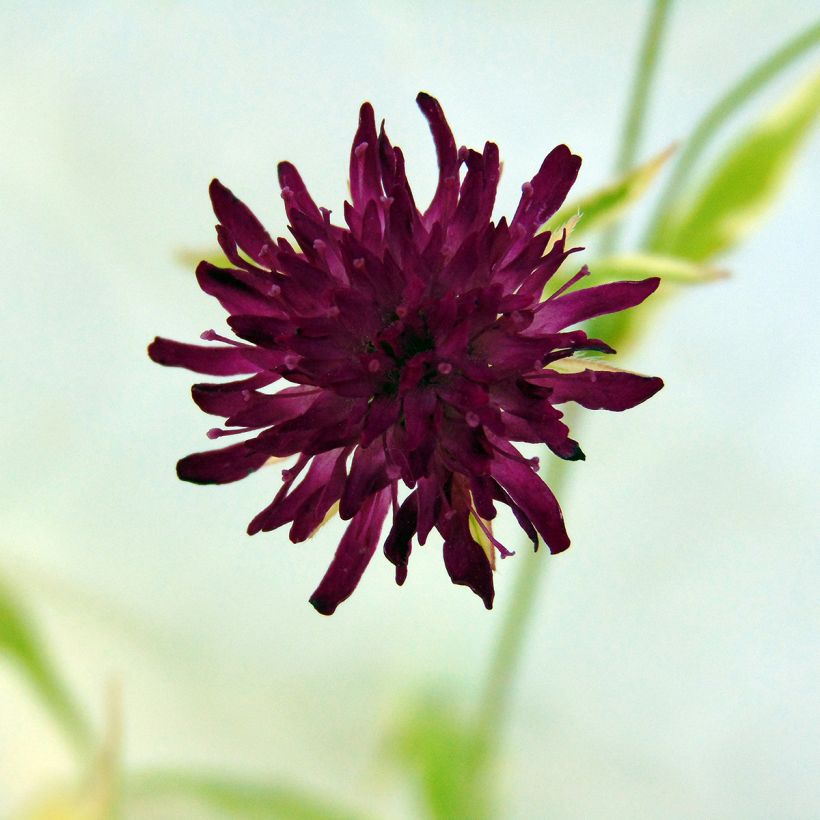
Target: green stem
{"points": [[636, 113], [495, 696], [717, 116]]}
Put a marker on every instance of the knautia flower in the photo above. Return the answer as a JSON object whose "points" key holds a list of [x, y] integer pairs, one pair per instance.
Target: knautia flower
{"points": [[418, 345]]}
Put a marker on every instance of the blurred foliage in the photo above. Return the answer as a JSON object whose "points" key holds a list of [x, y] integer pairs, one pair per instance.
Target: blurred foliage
{"points": [[97, 797], [606, 205], [22, 645], [441, 749], [744, 182], [221, 796], [671, 269]]}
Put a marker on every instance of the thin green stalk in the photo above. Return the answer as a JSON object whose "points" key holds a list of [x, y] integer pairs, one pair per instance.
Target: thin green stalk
{"points": [[506, 658], [639, 99], [718, 115]]}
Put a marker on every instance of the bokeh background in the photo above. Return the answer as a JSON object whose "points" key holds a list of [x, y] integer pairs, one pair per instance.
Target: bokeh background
{"points": [[672, 664]]}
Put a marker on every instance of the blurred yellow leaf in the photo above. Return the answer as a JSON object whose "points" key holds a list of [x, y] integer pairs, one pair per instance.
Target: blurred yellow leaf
{"points": [[189, 258], [602, 207], [481, 538], [744, 182], [97, 797], [672, 269]]}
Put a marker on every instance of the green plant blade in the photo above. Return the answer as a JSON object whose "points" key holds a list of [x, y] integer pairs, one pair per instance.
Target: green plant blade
{"points": [[21, 644], [625, 267], [233, 798], [717, 117], [447, 757], [604, 206], [744, 182]]}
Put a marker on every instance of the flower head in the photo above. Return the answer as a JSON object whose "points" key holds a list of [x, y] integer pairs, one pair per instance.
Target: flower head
{"points": [[418, 346]]}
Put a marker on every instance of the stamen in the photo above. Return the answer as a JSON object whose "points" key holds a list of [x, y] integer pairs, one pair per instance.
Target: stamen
{"points": [[570, 282], [218, 432], [213, 336], [445, 368]]}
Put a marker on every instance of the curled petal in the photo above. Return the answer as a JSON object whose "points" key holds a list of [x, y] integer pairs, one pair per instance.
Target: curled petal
{"points": [[465, 560], [352, 555], [398, 544], [534, 497], [446, 196]]}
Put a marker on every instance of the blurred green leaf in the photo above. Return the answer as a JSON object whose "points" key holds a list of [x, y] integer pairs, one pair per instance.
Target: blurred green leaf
{"points": [[448, 758], [744, 182], [718, 116], [24, 647], [233, 798], [624, 267], [604, 206]]}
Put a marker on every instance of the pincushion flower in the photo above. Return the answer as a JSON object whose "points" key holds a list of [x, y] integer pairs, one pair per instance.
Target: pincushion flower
{"points": [[417, 345]]}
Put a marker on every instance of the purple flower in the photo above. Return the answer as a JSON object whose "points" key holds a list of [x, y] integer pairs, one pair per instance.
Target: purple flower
{"points": [[417, 345]]}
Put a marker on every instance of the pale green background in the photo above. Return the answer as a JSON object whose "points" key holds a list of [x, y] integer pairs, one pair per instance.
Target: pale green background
{"points": [[673, 656]]}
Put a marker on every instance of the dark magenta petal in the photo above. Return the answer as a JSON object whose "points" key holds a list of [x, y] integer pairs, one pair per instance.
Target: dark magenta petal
{"points": [[220, 466], [352, 555], [547, 190], [534, 497], [465, 560], [226, 398], [446, 196], [263, 410], [244, 227], [398, 544], [294, 193], [212, 361], [368, 474], [365, 169], [238, 291], [580, 305], [600, 389], [307, 504]]}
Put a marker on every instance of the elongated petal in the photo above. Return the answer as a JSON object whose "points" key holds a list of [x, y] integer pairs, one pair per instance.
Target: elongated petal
{"points": [[580, 305], [599, 388], [545, 194], [245, 228], [211, 361], [352, 555], [227, 398], [446, 196], [398, 544], [465, 560], [220, 466], [534, 497]]}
